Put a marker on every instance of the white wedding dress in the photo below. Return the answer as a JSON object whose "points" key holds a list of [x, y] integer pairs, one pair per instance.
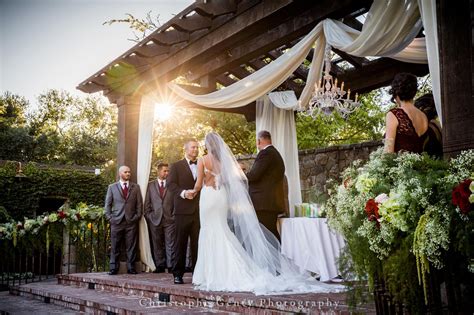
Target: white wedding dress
{"points": [[224, 265]]}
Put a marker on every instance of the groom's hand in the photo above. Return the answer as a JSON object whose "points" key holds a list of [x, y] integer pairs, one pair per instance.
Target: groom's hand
{"points": [[189, 194]]}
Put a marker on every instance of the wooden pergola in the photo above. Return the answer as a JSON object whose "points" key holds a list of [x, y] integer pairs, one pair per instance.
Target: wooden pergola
{"points": [[212, 44]]}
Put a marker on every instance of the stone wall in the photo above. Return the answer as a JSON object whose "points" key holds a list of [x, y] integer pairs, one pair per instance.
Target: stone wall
{"points": [[317, 166]]}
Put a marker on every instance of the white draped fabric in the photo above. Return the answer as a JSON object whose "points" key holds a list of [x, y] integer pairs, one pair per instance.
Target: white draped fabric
{"points": [[428, 14], [311, 245], [145, 141], [275, 113], [258, 83]]}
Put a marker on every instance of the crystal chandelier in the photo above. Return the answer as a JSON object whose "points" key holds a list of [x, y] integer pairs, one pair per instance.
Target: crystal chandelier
{"points": [[328, 97]]}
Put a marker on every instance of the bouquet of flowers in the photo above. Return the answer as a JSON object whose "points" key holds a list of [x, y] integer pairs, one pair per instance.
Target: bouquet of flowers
{"points": [[397, 199]]}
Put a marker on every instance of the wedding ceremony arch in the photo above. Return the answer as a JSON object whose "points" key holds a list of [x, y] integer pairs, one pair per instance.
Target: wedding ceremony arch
{"points": [[229, 55]]}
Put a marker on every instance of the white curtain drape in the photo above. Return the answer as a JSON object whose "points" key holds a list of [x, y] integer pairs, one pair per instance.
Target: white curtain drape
{"points": [[258, 83], [389, 30], [428, 15], [144, 156], [275, 113]]}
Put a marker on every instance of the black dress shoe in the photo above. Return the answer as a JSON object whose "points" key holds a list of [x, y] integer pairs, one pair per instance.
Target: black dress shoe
{"points": [[178, 280], [132, 271], [159, 270], [113, 272]]}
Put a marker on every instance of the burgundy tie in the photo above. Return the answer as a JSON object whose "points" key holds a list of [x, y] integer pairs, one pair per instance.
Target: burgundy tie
{"points": [[162, 190], [125, 190]]}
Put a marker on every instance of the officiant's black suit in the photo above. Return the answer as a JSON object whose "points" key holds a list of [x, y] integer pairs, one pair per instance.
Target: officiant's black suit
{"points": [[186, 213], [266, 180]]}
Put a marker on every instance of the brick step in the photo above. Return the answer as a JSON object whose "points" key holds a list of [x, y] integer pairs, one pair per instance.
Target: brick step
{"points": [[84, 300], [13, 304], [154, 286]]}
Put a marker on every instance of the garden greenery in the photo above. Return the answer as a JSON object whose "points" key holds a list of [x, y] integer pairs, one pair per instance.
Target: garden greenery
{"points": [[401, 215], [21, 195]]}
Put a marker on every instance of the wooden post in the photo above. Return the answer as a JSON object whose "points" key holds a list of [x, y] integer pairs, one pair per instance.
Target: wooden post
{"points": [[455, 35], [128, 122]]}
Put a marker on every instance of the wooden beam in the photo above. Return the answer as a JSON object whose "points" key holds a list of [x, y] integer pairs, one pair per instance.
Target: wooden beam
{"points": [[300, 72], [128, 122], [224, 80], [249, 111], [216, 8], [239, 72], [192, 23], [223, 37], [167, 35], [357, 62], [378, 73], [456, 42], [295, 27]]}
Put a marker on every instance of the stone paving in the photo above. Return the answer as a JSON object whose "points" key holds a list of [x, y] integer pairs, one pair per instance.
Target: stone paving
{"points": [[12, 304], [148, 293]]}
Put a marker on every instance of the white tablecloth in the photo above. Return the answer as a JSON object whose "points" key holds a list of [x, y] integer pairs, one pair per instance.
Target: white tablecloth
{"points": [[311, 245]]}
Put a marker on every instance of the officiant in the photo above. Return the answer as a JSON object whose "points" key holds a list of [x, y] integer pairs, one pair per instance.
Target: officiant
{"points": [[266, 183]]}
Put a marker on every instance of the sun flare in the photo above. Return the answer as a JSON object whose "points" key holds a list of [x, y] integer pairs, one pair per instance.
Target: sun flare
{"points": [[163, 111]]}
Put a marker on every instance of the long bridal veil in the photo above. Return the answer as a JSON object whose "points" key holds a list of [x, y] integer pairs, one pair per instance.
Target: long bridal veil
{"points": [[278, 274]]}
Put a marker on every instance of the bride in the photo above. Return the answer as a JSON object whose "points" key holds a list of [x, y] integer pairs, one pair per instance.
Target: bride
{"points": [[236, 253]]}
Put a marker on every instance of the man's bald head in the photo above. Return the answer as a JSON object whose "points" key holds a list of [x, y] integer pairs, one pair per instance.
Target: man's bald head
{"points": [[124, 173]]}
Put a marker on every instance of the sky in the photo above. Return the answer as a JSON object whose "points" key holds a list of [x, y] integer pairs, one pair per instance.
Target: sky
{"points": [[46, 44]]}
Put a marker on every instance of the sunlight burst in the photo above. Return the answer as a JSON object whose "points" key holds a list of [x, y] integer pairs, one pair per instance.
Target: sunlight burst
{"points": [[163, 111]]}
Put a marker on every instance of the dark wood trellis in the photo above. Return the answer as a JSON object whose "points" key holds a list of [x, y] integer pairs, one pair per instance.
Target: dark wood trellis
{"points": [[212, 44]]}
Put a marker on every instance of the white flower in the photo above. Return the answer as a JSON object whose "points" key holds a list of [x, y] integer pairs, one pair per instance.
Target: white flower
{"points": [[29, 224], [381, 198]]}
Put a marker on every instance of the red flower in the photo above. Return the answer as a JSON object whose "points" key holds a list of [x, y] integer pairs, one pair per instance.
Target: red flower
{"points": [[347, 182], [372, 210], [460, 196], [62, 214]]}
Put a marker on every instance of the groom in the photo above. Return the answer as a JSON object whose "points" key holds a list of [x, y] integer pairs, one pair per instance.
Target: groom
{"points": [[181, 182], [266, 183]]}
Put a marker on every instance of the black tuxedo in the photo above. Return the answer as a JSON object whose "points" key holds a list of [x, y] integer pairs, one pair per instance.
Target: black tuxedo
{"points": [[266, 187], [186, 214]]}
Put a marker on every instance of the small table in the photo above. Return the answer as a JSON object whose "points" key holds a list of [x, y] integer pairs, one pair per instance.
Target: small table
{"points": [[311, 245]]}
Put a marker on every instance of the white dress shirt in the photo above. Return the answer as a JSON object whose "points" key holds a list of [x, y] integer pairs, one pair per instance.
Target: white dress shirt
{"points": [[122, 184], [162, 181]]}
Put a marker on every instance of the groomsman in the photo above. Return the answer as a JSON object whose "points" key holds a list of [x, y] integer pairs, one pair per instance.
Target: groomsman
{"points": [[160, 218], [266, 182], [123, 209], [186, 207]]}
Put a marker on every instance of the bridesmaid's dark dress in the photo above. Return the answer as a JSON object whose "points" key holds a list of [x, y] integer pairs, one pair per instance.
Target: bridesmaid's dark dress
{"points": [[406, 138]]}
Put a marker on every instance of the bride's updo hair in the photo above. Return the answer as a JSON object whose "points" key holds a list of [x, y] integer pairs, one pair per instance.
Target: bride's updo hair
{"points": [[212, 142]]}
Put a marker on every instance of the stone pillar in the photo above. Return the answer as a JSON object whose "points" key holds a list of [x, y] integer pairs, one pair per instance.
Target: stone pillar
{"points": [[456, 42], [128, 122], [69, 263]]}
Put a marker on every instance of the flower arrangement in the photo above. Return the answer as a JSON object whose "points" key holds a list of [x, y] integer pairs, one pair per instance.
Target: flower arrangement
{"points": [[82, 213], [394, 200]]}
